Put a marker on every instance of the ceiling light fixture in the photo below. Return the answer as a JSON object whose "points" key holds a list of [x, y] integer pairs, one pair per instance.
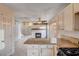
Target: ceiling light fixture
{"points": [[39, 21]]}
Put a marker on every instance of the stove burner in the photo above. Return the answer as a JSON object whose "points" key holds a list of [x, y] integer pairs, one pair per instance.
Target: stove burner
{"points": [[70, 51]]}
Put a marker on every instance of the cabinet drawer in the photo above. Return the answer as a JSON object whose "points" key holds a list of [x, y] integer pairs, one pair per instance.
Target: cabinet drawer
{"points": [[76, 7]]}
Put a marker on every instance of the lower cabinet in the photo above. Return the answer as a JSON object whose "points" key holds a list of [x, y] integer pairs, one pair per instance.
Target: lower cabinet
{"points": [[33, 52], [39, 50], [55, 51], [46, 52]]}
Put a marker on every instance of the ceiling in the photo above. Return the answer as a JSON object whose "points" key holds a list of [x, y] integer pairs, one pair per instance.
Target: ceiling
{"points": [[32, 11]]}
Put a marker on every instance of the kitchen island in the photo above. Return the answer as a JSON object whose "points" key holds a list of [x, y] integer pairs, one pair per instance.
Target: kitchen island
{"points": [[39, 47]]}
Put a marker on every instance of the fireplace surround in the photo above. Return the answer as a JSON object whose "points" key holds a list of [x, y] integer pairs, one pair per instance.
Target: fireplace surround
{"points": [[37, 35]]}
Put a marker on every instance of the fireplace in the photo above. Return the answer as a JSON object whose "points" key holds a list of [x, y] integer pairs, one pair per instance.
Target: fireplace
{"points": [[37, 35]]}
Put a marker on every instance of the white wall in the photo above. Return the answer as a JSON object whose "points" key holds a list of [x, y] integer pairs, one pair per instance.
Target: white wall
{"points": [[20, 36]]}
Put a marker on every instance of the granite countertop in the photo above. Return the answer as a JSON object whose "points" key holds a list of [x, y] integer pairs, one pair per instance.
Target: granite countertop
{"points": [[62, 43], [38, 41]]}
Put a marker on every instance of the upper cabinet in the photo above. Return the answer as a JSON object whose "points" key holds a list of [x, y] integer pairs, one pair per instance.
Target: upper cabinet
{"points": [[69, 18], [76, 16], [54, 27], [76, 22], [61, 20], [76, 7]]}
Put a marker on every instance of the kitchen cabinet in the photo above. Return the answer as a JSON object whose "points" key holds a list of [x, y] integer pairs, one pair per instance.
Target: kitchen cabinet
{"points": [[46, 52], [56, 20], [76, 7], [33, 52], [69, 18], [61, 20], [54, 27], [39, 50], [76, 22], [53, 32], [76, 16], [55, 51]]}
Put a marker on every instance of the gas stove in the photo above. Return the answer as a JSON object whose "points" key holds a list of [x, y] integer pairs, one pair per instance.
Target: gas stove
{"points": [[68, 52]]}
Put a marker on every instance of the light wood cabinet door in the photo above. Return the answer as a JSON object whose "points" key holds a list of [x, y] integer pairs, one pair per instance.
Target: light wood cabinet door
{"points": [[69, 18], [33, 52], [54, 30], [55, 27], [55, 50], [76, 7], [46, 52], [61, 21]]}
